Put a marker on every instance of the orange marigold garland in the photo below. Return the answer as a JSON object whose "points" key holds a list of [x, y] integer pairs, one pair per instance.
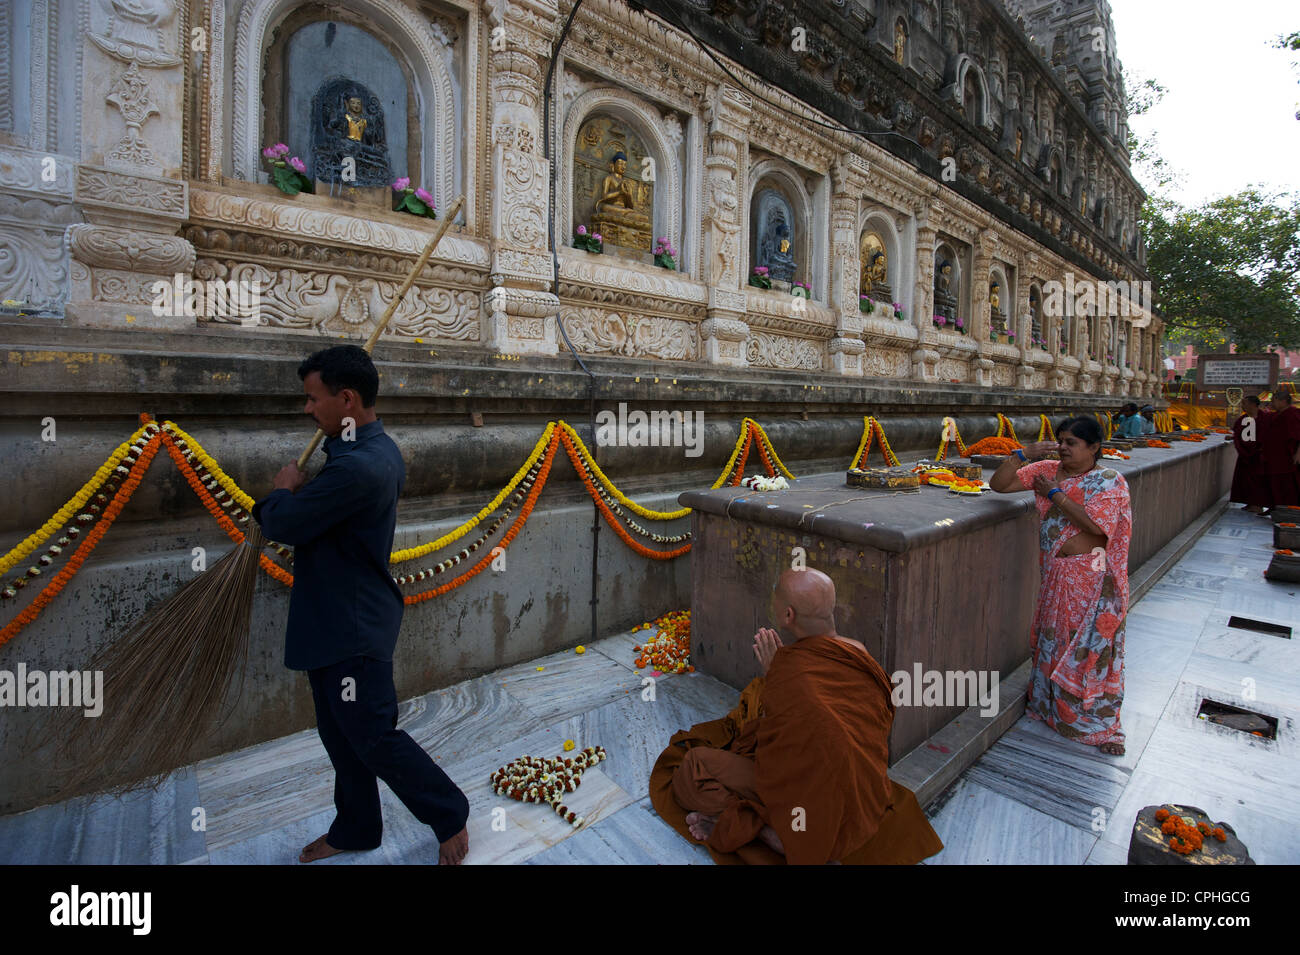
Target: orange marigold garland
{"points": [[509, 535], [610, 519], [1186, 838], [995, 445], [60, 580]]}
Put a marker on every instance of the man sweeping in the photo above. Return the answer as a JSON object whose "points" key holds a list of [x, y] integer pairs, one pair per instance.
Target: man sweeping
{"points": [[345, 611]]}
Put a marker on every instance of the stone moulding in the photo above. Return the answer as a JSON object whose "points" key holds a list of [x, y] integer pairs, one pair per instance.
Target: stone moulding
{"points": [[140, 195], [104, 247], [285, 218], [596, 331]]}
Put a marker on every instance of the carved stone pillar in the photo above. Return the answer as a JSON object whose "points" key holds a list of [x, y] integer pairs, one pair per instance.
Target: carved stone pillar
{"points": [[849, 179], [36, 191], [521, 306], [128, 185], [724, 332], [986, 247], [924, 360]]}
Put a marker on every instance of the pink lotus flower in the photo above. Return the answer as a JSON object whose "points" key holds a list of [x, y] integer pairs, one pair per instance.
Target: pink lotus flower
{"points": [[597, 237], [298, 165], [269, 152], [424, 197], [401, 185], [760, 270], [582, 230]]}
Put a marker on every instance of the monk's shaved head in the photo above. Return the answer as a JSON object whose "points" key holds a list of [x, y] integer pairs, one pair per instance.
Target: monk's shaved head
{"points": [[810, 594]]}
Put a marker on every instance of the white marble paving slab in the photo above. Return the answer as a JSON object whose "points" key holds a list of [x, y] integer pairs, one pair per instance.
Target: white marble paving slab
{"points": [[632, 836], [982, 827], [568, 683]]}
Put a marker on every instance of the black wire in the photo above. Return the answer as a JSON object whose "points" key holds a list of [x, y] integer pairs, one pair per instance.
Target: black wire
{"points": [[547, 146]]}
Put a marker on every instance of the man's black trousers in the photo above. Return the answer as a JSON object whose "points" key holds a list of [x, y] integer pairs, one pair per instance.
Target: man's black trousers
{"points": [[358, 724]]}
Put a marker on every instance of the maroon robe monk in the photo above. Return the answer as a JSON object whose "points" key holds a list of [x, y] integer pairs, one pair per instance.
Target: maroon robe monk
{"points": [[1249, 486], [1280, 454]]}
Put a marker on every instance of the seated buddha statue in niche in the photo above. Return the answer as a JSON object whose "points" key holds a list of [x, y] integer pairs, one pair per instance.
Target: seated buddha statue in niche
{"points": [[348, 123], [621, 216], [776, 250]]}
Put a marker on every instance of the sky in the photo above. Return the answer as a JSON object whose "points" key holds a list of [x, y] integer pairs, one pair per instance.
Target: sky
{"points": [[1228, 120]]}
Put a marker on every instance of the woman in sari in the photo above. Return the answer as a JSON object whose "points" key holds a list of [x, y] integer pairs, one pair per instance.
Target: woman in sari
{"points": [[1077, 639]]}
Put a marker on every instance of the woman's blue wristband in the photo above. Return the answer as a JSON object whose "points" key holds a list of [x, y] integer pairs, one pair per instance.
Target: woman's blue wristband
{"points": [[1021, 455], [1055, 490]]}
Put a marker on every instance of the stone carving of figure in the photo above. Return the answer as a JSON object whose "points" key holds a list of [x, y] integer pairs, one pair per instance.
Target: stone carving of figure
{"points": [[620, 215], [1020, 143], [775, 249], [348, 123], [900, 43]]}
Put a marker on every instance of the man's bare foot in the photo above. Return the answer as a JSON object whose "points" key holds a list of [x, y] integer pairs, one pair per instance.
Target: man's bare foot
{"points": [[454, 850], [767, 835], [1112, 749], [320, 849], [700, 825]]}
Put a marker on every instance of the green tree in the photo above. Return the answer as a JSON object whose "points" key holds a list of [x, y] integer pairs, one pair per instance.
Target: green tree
{"points": [[1291, 42], [1228, 271]]}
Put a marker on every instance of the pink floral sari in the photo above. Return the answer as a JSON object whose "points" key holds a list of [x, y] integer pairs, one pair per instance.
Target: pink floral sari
{"points": [[1077, 641]]}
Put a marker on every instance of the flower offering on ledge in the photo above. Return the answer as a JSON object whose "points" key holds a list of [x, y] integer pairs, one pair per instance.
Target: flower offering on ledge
{"points": [[587, 240], [417, 202], [801, 290], [665, 254], [288, 173], [760, 278], [866, 305]]}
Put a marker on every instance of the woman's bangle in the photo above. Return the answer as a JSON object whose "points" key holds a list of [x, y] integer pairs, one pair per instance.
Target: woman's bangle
{"points": [[1055, 490], [1021, 455]]}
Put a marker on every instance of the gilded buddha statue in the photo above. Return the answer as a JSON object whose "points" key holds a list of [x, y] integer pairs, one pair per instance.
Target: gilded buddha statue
{"points": [[620, 216], [349, 146]]}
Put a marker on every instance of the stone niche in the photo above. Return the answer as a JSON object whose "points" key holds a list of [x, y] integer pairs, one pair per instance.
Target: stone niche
{"points": [[778, 230], [614, 181]]}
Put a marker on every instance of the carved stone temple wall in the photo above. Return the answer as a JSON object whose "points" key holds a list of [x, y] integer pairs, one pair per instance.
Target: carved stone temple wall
{"points": [[131, 153]]}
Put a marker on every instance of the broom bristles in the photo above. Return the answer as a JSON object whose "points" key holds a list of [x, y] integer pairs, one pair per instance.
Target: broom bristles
{"points": [[164, 681]]}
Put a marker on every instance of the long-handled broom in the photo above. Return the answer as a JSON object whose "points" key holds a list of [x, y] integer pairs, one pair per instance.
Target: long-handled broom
{"points": [[165, 680]]}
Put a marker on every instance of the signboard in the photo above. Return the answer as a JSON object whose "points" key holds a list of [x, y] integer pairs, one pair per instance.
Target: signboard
{"points": [[1250, 371]]}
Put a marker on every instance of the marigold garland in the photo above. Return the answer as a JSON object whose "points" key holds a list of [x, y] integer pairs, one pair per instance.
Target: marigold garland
{"points": [[944, 441], [995, 445], [75, 503], [618, 495], [1045, 431], [872, 430], [1005, 428], [610, 519], [210, 465], [543, 444], [515, 528], [60, 580]]}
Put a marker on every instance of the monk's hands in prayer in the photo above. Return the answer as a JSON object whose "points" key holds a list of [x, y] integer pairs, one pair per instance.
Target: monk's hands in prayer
{"points": [[766, 643], [290, 478]]}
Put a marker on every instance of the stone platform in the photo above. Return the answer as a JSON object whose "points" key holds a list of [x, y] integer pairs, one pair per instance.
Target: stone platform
{"points": [[926, 577]]}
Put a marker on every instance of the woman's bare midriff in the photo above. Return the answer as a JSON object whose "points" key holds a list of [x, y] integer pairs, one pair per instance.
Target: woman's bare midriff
{"points": [[1082, 543]]}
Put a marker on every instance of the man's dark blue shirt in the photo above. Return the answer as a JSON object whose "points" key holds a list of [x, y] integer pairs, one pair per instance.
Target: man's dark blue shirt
{"points": [[340, 524]]}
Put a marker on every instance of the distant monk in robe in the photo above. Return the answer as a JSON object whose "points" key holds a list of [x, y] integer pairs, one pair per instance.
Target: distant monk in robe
{"points": [[1249, 486], [796, 772], [1280, 456]]}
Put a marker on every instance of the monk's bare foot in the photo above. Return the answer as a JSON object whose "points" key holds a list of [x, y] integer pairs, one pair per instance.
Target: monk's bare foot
{"points": [[454, 850], [320, 849], [1112, 749], [700, 825], [767, 835]]}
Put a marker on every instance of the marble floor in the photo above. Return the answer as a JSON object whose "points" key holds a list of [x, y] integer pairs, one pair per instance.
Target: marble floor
{"points": [[1036, 798], [1033, 798]]}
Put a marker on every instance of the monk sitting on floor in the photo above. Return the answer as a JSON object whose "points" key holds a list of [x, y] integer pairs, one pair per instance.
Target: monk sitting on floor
{"points": [[797, 771]]}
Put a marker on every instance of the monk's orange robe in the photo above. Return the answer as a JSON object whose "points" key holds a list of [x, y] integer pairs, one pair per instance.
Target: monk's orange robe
{"points": [[817, 730]]}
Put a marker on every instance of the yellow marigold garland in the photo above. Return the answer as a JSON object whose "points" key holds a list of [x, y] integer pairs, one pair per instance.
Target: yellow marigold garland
{"points": [[871, 431], [618, 495], [69, 510], [411, 553], [227, 483], [767, 444], [942, 454], [1006, 428], [1045, 431]]}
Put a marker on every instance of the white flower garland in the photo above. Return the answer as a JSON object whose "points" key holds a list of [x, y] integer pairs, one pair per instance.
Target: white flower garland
{"points": [[537, 780]]}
